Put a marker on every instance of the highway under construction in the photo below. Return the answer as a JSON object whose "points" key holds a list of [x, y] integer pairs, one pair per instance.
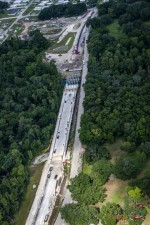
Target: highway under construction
{"points": [[53, 172]]}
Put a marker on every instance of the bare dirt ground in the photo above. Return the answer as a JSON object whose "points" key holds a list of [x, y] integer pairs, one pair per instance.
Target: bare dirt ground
{"points": [[116, 189], [39, 159], [64, 21]]}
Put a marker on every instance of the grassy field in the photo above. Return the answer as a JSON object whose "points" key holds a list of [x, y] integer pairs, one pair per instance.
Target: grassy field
{"points": [[115, 29], [63, 42], [35, 175], [147, 22], [16, 30], [116, 190], [35, 12], [29, 9]]}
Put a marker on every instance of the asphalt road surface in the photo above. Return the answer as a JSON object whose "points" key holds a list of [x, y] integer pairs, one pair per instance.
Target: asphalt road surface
{"points": [[49, 196], [47, 189], [77, 148]]}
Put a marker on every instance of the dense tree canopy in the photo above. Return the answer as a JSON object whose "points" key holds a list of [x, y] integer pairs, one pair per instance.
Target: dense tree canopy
{"points": [[102, 170], [134, 10], [117, 97], [135, 194], [110, 213], [30, 96], [134, 208], [96, 152], [79, 215], [60, 10], [84, 190], [129, 166], [3, 5], [128, 146], [117, 94], [91, 3], [143, 184]]}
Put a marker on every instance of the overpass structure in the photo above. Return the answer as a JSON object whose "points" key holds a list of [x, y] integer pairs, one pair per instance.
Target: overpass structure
{"points": [[73, 79]]}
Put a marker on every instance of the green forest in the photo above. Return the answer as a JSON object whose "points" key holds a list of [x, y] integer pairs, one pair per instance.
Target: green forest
{"points": [[30, 96], [116, 106], [66, 10], [3, 5]]}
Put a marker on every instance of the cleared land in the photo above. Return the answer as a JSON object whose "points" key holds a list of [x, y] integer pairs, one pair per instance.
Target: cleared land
{"points": [[35, 175], [116, 188], [115, 29], [50, 32], [62, 43]]}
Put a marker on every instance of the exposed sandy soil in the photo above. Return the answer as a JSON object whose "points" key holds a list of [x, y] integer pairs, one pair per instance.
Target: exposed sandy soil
{"points": [[115, 190], [40, 158]]}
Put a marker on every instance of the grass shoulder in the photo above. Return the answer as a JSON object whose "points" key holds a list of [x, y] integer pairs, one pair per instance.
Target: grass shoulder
{"points": [[29, 10], [35, 175], [66, 41]]}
